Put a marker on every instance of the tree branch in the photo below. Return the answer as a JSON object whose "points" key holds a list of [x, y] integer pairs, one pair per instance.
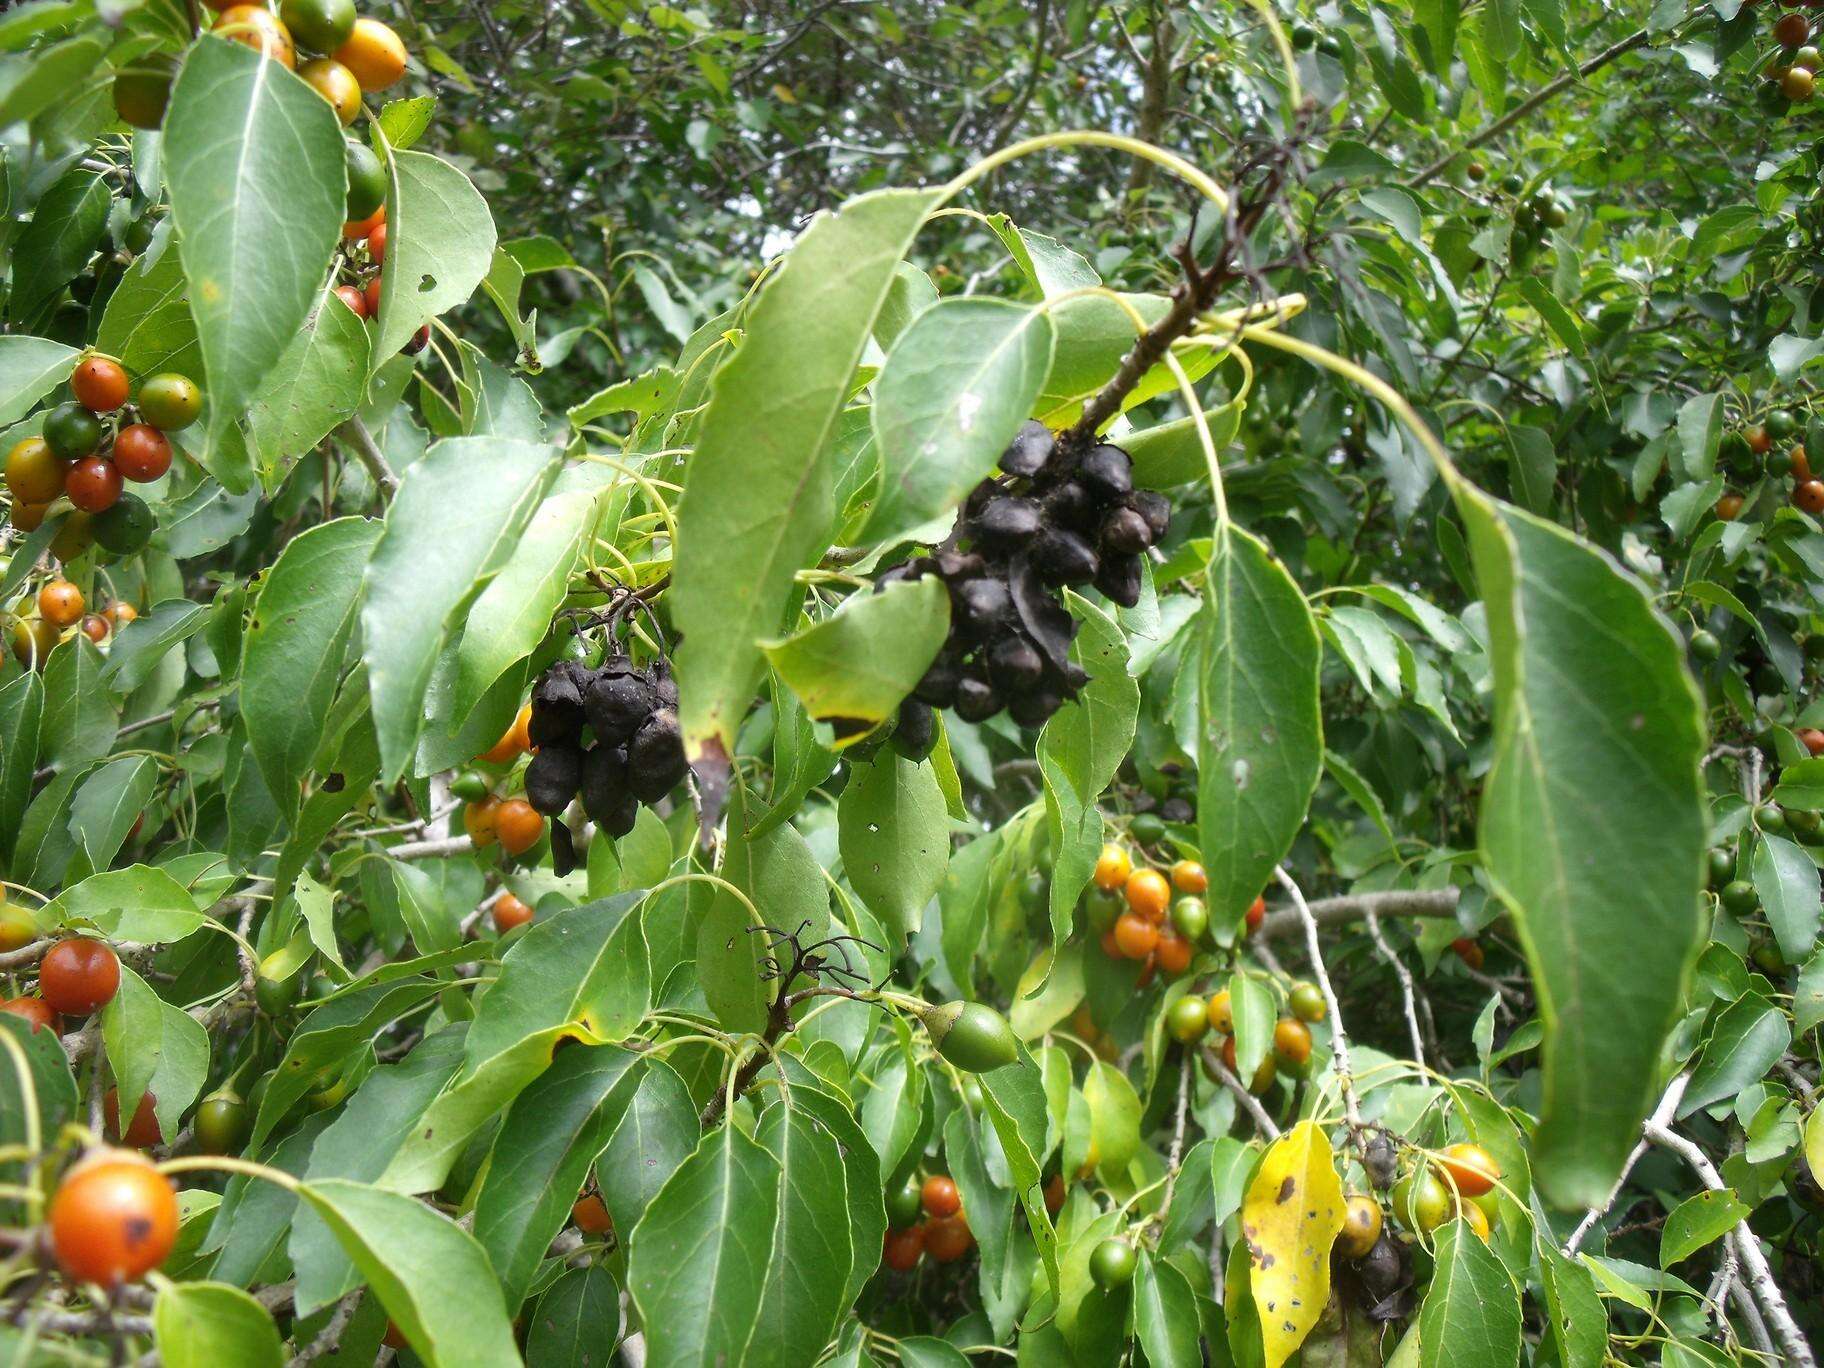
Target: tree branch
{"points": [[1285, 921], [368, 452], [1249, 1102], [1339, 1037], [1532, 102]]}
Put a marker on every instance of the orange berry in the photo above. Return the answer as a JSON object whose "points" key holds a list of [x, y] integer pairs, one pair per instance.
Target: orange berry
{"points": [[113, 1218], [1190, 877], [1112, 868], [518, 825], [510, 912], [940, 1197], [590, 1215], [1149, 894], [479, 820], [1135, 936], [1173, 953], [1471, 1167]]}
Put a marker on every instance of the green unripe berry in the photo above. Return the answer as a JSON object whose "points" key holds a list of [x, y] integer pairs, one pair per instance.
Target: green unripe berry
{"points": [[904, 1208], [1738, 897], [1705, 646], [1112, 1264], [971, 1035]]}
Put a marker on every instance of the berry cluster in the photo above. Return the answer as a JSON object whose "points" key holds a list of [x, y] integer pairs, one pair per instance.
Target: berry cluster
{"points": [[1769, 447], [94, 443], [364, 244], [1055, 516], [635, 749], [61, 605], [1792, 76], [925, 1219]]}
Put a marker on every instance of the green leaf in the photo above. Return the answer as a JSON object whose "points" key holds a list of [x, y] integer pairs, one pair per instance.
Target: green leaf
{"points": [[140, 904], [1697, 1221], [1014, 1096], [1165, 1315], [1560, 320], [656, 1134], [253, 159], [21, 712], [429, 1273], [1747, 1037], [514, 612], [294, 649], [1787, 882], [104, 808], [956, 387], [53, 1086], [1254, 1010], [1500, 30], [583, 974], [855, 667], [578, 1317], [439, 243], [316, 383], [1171, 454], [548, 1140], [1260, 744], [758, 505], [807, 1273], [451, 527], [895, 839], [403, 122], [147, 322], [357, 1145], [1471, 1302], [202, 1325], [778, 873], [136, 650], [1094, 336], [1079, 750], [55, 245], [80, 720], [50, 74], [30, 368], [1700, 427], [153, 1045], [1592, 826], [697, 1262]]}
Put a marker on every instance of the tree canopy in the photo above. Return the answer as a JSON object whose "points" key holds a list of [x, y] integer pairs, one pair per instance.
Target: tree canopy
{"points": [[832, 682]]}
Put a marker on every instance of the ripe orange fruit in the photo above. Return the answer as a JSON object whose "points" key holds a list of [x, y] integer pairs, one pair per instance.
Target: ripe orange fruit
{"points": [[60, 603], [1135, 936], [1173, 953], [1190, 877], [510, 912], [479, 818], [948, 1240], [512, 741], [113, 1218], [1112, 868], [940, 1197], [374, 53], [1149, 894], [518, 825], [1291, 1043], [100, 385], [1471, 1167], [900, 1249], [590, 1215], [1222, 1013]]}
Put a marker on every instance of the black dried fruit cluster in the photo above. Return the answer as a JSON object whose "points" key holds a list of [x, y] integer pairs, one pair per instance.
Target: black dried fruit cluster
{"points": [[609, 732], [1055, 516]]}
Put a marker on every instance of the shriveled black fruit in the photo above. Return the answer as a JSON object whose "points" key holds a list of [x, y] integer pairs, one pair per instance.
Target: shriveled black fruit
{"points": [[1107, 471], [1007, 521], [959, 565], [938, 687], [980, 603], [1041, 616], [1126, 531], [1381, 1161], [557, 704], [617, 702], [1072, 505], [916, 732], [1155, 508], [604, 782], [553, 778], [655, 757], [1029, 450], [618, 819], [665, 685], [1034, 708], [1014, 663], [976, 699], [563, 849], [1382, 1272], [1119, 578], [1062, 557]]}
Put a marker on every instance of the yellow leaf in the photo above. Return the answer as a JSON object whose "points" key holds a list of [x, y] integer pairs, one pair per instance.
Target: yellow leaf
{"points": [[1814, 1142], [784, 94], [1290, 1218]]}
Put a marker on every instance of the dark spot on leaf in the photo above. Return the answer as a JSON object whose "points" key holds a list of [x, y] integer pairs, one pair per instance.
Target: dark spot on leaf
{"points": [[1286, 1189], [334, 783]]}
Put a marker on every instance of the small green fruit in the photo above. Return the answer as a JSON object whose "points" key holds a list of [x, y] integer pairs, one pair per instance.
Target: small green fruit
{"points": [[221, 1123], [1768, 817], [1722, 866], [1188, 1019], [1738, 897], [904, 1209], [1705, 646], [971, 1035], [1112, 1264], [1192, 917], [1148, 828]]}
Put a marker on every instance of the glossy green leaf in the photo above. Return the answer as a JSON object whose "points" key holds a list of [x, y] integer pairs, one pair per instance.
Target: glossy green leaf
{"points": [[807, 1271], [153, 1045], [21, 715], [202, 1325], [450, 528], [1746, 1039], [1697, 1221], [1165, 1315], [30, 368], [547, 1143], [55, 245], [439, 242], [1592, 831], [1787, 882], [582, 974], [655, 1135], [296, 645], [758, 504], [80, 720], [576, 1320], [1260, 743], [895, 839], [137, 649], [430, 1274], [855, 667], [317, 382], [104, 808], [957, 384], [1472, 1305], [253, 159], [697, 1262]]}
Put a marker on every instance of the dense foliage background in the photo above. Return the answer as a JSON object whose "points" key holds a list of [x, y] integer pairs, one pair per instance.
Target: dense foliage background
{"points": [[1450, 777]]}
